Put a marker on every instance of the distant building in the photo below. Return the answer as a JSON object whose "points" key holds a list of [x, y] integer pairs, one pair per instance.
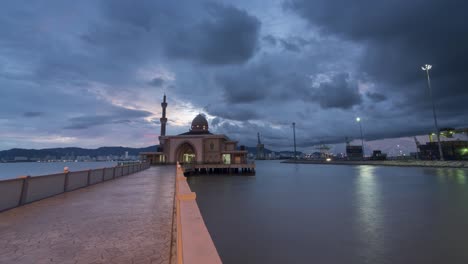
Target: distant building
{"points": [[354, 152], [126, 155], [21, 159], [260, 149], [378, 155], [83, 158], [452, 150]]}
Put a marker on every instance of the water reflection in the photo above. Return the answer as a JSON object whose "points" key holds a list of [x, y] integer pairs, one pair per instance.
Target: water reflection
{"points": [[452, 176], [370, 219], [301, 213]]}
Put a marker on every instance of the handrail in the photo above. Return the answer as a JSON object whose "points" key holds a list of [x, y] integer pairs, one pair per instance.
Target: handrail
{"points": [[26, 189], [194, 243]]}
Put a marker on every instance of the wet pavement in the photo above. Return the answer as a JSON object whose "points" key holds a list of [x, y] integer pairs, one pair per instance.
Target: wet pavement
{"points": [[126, 220]]}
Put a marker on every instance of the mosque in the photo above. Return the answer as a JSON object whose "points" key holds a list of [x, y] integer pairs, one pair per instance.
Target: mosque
{"points": [[200, 148]]}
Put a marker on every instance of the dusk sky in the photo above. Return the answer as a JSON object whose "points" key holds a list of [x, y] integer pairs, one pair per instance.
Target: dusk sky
{"points": [[92, 73]]}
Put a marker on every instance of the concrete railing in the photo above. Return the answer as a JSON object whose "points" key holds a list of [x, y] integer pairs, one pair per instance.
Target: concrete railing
{"points": [[194, 243], [27, 189]]}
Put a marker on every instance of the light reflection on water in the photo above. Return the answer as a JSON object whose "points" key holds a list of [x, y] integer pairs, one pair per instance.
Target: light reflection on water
{"points": [[297, 213], [370, 217], [451, 175]]}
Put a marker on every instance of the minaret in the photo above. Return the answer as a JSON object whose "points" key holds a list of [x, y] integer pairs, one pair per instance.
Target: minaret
{"points": [[163, 119]]}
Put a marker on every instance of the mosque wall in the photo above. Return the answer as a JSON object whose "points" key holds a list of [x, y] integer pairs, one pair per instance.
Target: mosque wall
{"points": [[212, 150], [175, 143]]}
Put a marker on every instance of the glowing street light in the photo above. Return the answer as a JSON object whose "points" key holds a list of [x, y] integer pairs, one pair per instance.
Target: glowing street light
{"points": [[358, 119], [426, 68]]}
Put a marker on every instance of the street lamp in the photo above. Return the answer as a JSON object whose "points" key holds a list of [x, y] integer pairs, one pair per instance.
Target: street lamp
{"points": [[426, 68], [358, 119], [294, 132]]}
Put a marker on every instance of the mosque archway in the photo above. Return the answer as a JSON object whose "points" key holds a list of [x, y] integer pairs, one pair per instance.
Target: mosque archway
{"points": [[186, 153]]}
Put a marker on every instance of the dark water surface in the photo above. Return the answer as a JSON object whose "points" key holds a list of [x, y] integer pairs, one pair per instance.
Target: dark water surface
{"points": [[302, 213]]}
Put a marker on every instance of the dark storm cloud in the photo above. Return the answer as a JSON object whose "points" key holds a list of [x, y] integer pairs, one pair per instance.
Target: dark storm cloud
{"points": [[119, 115], [209, 33], [157, 82], [32, 114], [232, 112], [266, 81], [76, 61], [248, 84], [376, 97], [230, 35], [292, 44], [400, 36], [270, 39], [339, 92]]}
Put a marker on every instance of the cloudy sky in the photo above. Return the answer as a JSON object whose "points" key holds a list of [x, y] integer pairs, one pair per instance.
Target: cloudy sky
{"points": [[92, 73]]}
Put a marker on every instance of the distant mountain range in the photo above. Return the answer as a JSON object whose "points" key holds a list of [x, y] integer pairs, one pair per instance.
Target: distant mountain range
{"points": [[58, 153]]}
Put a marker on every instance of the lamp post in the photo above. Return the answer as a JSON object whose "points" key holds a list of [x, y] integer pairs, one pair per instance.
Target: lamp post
{"points": [[294, 133], [358, 119], [426, 68]]}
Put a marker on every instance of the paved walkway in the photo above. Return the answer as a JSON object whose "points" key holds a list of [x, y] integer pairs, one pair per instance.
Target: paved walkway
{"points": [[127, 220]]}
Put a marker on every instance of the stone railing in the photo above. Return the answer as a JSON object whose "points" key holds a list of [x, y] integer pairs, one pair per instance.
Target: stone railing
{"points": [[27, 189], [194, 243]]}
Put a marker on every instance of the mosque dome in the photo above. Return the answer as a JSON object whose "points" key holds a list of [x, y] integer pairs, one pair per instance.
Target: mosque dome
{"points": [[199, 124]]}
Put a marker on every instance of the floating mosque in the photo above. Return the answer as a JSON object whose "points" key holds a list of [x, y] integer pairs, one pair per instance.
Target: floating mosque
{"points": [[199, 150]]}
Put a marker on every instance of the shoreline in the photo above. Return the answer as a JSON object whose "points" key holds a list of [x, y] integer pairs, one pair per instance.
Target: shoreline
{"points": [[389, 163]]}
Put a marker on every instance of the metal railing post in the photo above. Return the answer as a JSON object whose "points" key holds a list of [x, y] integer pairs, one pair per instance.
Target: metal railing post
{"points": [[24, 190], [65, 182]]}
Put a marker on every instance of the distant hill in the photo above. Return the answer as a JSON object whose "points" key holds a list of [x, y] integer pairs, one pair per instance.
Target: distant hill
{"points": [[72, 151], [9, 155]]}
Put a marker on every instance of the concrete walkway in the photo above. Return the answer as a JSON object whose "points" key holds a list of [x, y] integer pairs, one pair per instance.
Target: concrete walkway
{"points": [[127, 220]]}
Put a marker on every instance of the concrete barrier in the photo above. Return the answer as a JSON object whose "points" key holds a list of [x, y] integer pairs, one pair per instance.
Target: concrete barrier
{"points": [[76, 180], [194, 243], [26, 189], [43, 186], [10, 193], [108, 174], [96, 176]]}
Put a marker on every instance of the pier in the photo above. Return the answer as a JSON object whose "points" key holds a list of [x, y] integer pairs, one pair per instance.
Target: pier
{"points": [[131, 219]]}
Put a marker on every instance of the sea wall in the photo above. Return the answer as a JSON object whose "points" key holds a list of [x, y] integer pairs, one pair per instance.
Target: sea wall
{"points": [[398, 163], [27, 189], [194, 243]]}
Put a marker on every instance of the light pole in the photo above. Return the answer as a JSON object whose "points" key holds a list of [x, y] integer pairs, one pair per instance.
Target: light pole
{"points": [[358, 119], [294, 132], [426, 68]]}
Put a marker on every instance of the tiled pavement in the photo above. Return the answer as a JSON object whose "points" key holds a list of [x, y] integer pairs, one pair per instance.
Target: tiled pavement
{"points": [[127, 220]]}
